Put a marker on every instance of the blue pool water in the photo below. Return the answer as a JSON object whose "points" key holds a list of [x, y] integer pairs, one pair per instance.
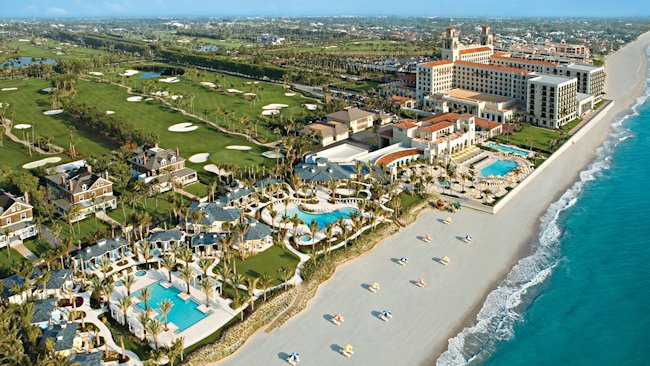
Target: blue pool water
{"points": [[322, 219], [117, 283], [581, 297], [499, 167], [149, 75], [140, 273], [505, 148], [184, 312]]}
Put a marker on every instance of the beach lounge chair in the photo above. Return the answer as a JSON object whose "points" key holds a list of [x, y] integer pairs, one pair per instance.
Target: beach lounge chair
{"points": [[427, 238], [374, 287], [448, 221], [420, 282], [445, 260], [347, 350]]}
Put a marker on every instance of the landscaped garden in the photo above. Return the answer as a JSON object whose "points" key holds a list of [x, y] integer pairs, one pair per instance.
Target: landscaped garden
{"points": [[267, 262]]}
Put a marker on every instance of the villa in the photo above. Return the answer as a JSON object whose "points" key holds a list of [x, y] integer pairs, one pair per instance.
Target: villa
{"points": [[257, 237], [160, 168], [403, 102], [89, 191], [328, 132], [165, 240], [64, 336], [89, 359], [217, 218], [356, 119], [16, 222], [88, 259], [206, 244], [45, 313], [322, 170]]}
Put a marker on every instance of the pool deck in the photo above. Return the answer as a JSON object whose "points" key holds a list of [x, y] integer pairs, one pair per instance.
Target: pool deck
{"points": [[221, 313]]}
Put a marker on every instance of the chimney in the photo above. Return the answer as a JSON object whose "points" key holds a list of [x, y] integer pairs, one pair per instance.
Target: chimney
{"points": [[178, 152], [62, 179], [70, 184], [26, 198], [106, 174], [89, 169], [155, 145], [144, 159]]}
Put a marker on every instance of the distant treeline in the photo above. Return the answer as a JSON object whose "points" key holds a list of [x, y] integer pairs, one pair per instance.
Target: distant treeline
{"points": [[199, 34], [104, 41], [223, 64], [110, 125]]}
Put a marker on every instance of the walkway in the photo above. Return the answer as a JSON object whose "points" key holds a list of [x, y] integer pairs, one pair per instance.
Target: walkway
{"points": [[24, 251], [47, 235], [589, 116], [107, 219], [14, 138], [280, 319]]}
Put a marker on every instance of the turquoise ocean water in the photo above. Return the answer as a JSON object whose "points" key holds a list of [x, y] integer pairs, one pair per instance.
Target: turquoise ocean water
{"points": [[583, 296]]}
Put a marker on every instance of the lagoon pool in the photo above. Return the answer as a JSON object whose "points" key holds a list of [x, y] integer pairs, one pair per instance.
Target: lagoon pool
{"points": [[508, 149], [499, 168], [183, 314], [149, 75], [17, 62], [322, 219]]}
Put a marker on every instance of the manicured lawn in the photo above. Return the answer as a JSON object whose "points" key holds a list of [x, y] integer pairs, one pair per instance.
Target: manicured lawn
{"points": [[48, 49], [198, 189], [572, 124], [37, 246], [540, 137], [154, 116], [27, 104], [206, 101], [160, 209], [269, 261], [408, 200], [9, 261], [14, 155], [82, 229]]}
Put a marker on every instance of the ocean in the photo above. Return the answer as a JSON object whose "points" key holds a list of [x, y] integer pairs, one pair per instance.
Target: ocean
{"points": [[583, 296]]}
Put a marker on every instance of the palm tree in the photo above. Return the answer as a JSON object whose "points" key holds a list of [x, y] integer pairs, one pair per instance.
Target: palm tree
{"points": [[251, 284], [329, 234], [169, 263], [124, 304], [165, 307], [265, 283], [187, 274], [144, 320], [186, 255], [197, 215], [273, 213], [285, 275], [45, 277], [529, 140], [155, 327], [207, 288], [313, 228], [72, 214], [128, 281], [175, 349], [145, 249], [55, 229], [204, 264], [105, 267], [145, 295], [238, 301]]}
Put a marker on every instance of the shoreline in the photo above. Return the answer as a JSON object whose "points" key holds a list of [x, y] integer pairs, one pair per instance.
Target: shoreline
{"points": [[456, 292]]}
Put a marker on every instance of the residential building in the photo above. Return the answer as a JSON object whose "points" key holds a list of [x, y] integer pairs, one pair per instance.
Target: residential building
{"points": [[89, 259], [64, 338], [257, 237], [160, 168], [16, 222], [216, 218], [328, 132], [356, 119], [165, 240], [551, 101], [403, 102], [45, 313], [81, 187]]}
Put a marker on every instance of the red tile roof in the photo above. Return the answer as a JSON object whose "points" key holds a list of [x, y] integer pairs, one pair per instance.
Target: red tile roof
{"points": [[437, 126], [391, 157], [386, 133], [399, 99], [487, 124], [436, 63], [474, 50], [493, 67], [525, 60], [443, 117], [406, 124]]}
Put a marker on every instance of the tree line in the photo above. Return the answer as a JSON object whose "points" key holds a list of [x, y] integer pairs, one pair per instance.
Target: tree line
{"points": [[110, 125]]}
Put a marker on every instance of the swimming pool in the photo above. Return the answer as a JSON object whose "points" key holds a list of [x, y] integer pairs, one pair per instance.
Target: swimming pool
{"points": [[322, 219], [509, 149], [149, 75], [499, 168], [183, 314]]}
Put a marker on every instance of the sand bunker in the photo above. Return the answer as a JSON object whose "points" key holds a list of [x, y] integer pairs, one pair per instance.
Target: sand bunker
{"points": [[212, 168], [148, 99], [199, 158], [130, 72], [172, 79], [250, 94], [176, 97], [290, 94], [110, 112], [311, 107], [47, 90], [238, 147], [134, 99], [183, 127], [96, 73], [209, 84], [8, 89], [234, 91], [274, 106], [37, 163], [272, 154], [22, 126], [53, 112], [160, 93], [270, 112]]}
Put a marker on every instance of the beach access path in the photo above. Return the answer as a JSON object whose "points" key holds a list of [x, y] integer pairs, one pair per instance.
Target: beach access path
{"points": [[425, 318]]}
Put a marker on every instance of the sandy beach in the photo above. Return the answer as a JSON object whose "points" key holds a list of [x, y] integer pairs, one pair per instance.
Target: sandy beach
{"points": [[425, 318]]}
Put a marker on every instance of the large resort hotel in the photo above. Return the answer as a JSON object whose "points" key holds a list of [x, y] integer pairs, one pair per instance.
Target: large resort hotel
{"points": [[495, 86]]}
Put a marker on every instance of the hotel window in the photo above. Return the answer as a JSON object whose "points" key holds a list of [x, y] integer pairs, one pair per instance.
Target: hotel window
{"points": [[23, 216]]}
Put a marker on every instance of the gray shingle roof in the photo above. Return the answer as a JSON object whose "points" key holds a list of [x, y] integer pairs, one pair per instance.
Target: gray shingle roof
{"points": [[58, 278], [7, 200], [43, 310], [89, 359], [257, 231], [78, 177], [154, 157], [234, 195], [102, 247], [349, 114], [266, 182], [322, 171], [166, 235], [205, 239], [63, 336], [215, 211]]}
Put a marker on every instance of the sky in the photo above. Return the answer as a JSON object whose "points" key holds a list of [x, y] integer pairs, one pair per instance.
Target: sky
{"points": [[217, 8]]}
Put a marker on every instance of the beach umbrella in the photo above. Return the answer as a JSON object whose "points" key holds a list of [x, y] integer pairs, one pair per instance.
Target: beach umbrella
{"points": [[348, 348], [375, 286], [338, 317], [294, 357], [387, 314], [404, 260]]}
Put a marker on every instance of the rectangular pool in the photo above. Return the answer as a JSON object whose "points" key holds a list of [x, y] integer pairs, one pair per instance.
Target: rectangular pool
{"points": [[183, 314], [508, 149], [322, 219], [499, 168]]}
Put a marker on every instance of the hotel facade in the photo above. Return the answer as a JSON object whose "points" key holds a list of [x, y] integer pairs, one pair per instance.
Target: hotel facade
{"points": [[559, 92]]}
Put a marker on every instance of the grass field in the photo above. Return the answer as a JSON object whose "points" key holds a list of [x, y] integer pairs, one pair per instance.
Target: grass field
{"points": [[408, 200], [268, 261], [14, 155], [377, 47], [48, 49], [37, 246], [162, 208], [82, 229], [539, 138], [198, 189], [155, 116], [9, 261], [28, 104], [206, 101]]}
